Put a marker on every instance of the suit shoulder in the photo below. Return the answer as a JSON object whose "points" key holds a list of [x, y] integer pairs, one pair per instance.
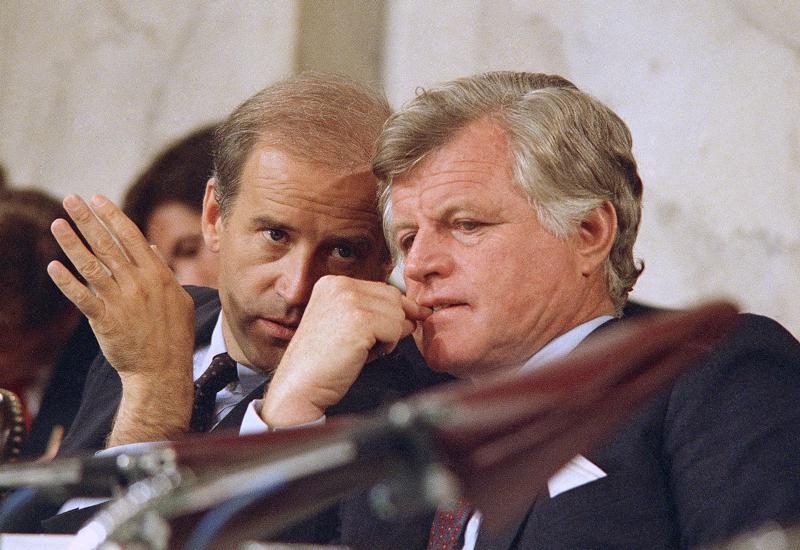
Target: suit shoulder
{"points": [[757, 352], [764, 331]]}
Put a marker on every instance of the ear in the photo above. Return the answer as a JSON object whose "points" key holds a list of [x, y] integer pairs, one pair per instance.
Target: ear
{"points": [[211, 219], [594, 238]]}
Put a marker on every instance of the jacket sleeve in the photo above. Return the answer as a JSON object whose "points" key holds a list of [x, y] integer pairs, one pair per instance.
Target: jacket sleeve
{"points": [[92, 424]]}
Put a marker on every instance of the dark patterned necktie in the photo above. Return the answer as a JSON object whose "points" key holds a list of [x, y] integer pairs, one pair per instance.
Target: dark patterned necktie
{"points": [[448, 526], [221, 373]]}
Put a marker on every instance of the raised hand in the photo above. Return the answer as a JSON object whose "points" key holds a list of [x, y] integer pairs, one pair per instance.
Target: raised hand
{"points": [[346, 323], [142, 317]]}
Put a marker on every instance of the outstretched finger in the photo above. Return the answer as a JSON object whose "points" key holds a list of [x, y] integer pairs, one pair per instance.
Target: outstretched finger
{"points": [[75, 291], [84, 261], [127, 233], [104, 245]]}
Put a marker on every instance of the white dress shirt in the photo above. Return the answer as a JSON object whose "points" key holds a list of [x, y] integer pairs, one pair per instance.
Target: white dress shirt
{"points": [[234, 392]]}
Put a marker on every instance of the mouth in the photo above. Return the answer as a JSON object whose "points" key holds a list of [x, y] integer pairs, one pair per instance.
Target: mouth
{"points": [[278, 329], [440, 305]]}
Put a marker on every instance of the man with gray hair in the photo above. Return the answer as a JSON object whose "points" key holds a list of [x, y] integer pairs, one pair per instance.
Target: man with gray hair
{"points": [[514, 201]]}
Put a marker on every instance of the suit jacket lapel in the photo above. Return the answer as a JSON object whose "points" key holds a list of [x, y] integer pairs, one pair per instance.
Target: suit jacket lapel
{"points": [[206, 316], [507, 538]]}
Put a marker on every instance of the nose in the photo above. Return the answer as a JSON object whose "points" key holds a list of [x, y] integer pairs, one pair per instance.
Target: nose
{"points": [[428, 258], [296, 279]]}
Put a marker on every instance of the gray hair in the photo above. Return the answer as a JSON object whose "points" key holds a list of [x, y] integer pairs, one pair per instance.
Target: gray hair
{"points": [[328, 120], [570, 153]]}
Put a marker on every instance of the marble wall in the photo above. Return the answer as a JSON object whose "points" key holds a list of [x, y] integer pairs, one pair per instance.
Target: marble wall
{"points": [[90, 90]]}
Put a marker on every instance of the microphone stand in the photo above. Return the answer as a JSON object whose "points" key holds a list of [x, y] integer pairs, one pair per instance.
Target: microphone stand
{"points": [[391, 453]]}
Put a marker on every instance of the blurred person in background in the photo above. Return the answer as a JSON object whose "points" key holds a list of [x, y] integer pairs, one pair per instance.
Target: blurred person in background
{"points": [[166, 202], [46, 345]]}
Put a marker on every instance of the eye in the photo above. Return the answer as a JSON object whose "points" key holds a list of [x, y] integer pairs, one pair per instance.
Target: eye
{"points": [[344, 251], [467, 225], [277, 235], [406, 241]]}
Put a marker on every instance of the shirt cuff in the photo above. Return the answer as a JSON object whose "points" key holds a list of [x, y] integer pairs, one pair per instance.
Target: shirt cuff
{"points": [[252, 422]]}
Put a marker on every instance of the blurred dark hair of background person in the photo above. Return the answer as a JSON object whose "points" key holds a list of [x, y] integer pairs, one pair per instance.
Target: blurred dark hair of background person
{"points": [[166, 202], [46, 345]]}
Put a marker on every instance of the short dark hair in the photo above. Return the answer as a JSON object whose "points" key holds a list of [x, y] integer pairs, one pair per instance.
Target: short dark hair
{"points": [[178, 174], [28, 298], [329, 120]]}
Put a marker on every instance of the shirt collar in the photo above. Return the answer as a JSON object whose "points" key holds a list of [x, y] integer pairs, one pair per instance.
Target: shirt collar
{"points": [[562, 345], [248, 378]]}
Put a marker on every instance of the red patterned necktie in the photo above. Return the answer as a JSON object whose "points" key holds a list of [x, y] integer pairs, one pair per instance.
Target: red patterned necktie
{"points": [[448, 526], [221, 373]]}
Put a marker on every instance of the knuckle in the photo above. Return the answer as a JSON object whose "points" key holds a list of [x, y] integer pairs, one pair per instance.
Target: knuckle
{"points": [[104, 242], [82, 215], [165, 277], [334, 283], [92, 270], [350, 298], [323, 284], [127, 232], [361, 318], [394, 294], [82, 299]]}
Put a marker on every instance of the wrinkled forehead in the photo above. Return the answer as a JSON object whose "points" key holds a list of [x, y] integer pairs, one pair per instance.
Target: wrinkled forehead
{"points": [[284, 178]]}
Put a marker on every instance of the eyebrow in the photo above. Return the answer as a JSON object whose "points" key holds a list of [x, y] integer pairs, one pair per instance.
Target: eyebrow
{"points": [[264, 220], [394, 227], [361, 238], [443, 213]]}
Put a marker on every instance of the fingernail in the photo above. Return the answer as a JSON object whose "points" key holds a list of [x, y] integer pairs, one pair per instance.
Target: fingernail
{"points": [[98, 200], [71, 202], [59, 227]]}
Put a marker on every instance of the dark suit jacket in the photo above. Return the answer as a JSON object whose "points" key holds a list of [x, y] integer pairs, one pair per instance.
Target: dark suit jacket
{"points": [[381, 381], [715, 454], [62, 396]]}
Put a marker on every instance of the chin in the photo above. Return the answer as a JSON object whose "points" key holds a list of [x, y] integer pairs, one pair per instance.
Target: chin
{"points": [[451, 360], [264, 355]]}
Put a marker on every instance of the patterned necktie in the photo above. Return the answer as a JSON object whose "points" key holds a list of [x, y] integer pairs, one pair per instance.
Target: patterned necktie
{"points": [[221, 373], [448, 526]]}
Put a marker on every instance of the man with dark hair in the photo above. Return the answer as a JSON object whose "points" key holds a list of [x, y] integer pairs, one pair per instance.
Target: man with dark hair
{"points": [[291, 203], [166, 202]]}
